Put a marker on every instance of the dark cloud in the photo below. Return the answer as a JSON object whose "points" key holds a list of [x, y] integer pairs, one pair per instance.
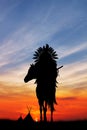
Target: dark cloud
{"points": [[67, 98]]}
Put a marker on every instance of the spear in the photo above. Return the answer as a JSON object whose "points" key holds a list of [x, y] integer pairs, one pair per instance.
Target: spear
{"points": [[60, 67]]}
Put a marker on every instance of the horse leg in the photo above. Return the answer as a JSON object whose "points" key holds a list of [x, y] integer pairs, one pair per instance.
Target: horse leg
{"points": [[45, 110], [52, 113], [40, 112]]}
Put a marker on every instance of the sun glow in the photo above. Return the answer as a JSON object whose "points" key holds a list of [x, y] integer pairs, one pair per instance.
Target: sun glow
{"points": [[36, 119]]}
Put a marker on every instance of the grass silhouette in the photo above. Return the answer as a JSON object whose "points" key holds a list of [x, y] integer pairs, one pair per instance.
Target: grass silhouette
{"points": [[32, 125]]}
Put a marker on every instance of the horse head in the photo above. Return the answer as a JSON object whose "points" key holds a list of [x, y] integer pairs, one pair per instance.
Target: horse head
{"points": [[31, 73]]}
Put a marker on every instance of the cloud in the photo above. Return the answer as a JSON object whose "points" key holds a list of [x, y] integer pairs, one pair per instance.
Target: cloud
{"points": [[17, 49], [67, 98], [72, 80], [65, 51], [74, 72], [22, 43], [6, 7]]}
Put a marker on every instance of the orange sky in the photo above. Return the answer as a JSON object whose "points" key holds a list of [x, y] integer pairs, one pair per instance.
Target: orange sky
{"points": [[68, 108], [15, 97]]}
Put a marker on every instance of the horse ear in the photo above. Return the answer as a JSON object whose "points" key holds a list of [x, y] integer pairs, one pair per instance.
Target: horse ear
{"points": [[31, 64]]}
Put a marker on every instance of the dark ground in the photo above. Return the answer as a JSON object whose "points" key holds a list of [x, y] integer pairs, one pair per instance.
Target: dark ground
{"points": [[59, 125]]}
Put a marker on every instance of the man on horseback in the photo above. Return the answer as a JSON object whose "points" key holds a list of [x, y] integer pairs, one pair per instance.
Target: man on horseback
{"points": [[45, 72]]}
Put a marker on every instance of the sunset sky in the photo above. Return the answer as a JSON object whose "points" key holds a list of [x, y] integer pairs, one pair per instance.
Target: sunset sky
{"points": [[26, 25]]}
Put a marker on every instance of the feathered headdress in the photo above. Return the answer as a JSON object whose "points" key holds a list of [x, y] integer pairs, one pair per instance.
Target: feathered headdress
{"points": [[41, 51]]}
